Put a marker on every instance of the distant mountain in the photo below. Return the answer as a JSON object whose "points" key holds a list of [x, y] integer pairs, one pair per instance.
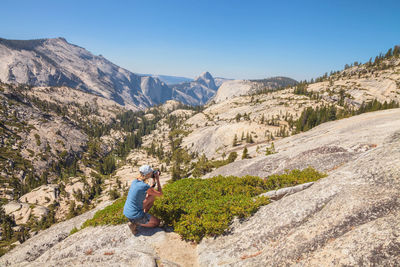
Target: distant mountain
{"points": [[197, 92], [207, 80], [55, 62]]}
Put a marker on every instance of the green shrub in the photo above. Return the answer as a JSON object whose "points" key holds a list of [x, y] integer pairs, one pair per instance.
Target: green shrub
{"points": [[270, 150], [294, 177], [232, 157], [205, 207], [114, 194], [109, 215], [73, 231], [204, 166]]}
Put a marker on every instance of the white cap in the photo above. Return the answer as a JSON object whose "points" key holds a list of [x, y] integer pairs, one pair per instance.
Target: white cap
{"points": [[145, 169]]}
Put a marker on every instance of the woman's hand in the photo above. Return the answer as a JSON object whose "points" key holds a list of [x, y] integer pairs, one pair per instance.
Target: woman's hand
{"points": [[157, 177]]}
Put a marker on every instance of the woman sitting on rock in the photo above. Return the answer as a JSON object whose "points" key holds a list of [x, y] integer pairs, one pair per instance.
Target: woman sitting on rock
{"points": [[141, 198]]}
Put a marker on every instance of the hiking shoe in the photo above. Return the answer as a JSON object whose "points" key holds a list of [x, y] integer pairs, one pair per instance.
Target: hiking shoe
{"points": [[133, 228]]}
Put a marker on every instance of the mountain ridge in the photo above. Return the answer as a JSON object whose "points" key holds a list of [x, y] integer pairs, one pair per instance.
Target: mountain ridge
{"points": [[56, 62]]}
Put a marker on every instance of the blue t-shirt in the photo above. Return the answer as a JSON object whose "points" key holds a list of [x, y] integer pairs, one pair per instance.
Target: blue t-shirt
{"points": [[133, 208]]}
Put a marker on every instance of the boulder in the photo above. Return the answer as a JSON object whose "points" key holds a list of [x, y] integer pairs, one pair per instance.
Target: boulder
{"points": [[23, 211], [12, 206], [40, 212], [42, 195], [20, 211], [74, 187]]}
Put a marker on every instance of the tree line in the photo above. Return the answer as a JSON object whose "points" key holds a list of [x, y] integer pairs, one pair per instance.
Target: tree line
{"points": [[311, 117]]}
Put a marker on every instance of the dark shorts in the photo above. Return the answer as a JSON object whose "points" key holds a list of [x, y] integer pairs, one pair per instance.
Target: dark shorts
{"points": [[142, 220]]}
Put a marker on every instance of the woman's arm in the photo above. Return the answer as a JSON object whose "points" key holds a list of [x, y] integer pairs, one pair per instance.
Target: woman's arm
{"points": [[157, 176], [152, 192]]}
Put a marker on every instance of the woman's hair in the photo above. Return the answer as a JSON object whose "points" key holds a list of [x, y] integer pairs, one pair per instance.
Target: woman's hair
{"points": [[143, 177]]}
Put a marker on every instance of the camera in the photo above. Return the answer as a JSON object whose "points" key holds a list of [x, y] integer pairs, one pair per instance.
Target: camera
{"points": [[153, 175]]}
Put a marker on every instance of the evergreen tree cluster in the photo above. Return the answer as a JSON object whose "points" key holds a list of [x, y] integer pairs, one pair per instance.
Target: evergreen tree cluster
{"points": [[311, 117], [204, 165], [301, 89]]}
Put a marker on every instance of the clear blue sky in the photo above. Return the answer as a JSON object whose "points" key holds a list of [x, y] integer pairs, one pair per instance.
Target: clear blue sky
{"points": [[234, 39]]}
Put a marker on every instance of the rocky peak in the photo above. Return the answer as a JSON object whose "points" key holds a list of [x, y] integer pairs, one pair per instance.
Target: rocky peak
{"points": [[206, 79], [157, 90]]}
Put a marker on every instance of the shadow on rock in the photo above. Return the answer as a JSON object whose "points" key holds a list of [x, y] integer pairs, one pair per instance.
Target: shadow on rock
{"points": [[143, 231]]}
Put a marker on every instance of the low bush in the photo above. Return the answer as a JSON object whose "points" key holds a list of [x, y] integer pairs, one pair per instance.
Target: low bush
{"points": [[205, 207], [109, 215], [292, 178], [73, 231]]}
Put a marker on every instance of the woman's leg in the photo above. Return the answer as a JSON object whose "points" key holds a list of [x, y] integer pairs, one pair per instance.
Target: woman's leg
{"points": [[153, 222], [148, 203]]}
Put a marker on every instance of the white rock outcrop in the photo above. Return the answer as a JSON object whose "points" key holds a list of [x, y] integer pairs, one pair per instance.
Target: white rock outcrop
{"points": [[23, 211], [42, 195], [230, 89]]}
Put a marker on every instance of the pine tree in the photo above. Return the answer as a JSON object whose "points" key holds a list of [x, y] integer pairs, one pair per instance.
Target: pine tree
{"points": [[232, 157], [270, 150], [238, 116], [396, 51], [245, 154], [176, 172], [389, 53], [251, 141], [71, 209], [234, 143], [7, 222]]}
